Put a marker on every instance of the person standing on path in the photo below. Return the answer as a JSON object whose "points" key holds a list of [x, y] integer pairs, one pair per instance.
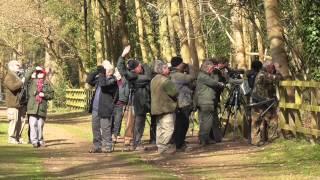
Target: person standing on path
{"points": [[138, 76], [185, 84], [163, 106], [102, 106], [205, 100], [40, 92], [14, 112]]}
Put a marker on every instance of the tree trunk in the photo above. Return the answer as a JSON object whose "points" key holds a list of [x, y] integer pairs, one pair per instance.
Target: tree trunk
{"points": [[181, 31], [171, 31], [275, 35], [97, 30], [165, 45], [140, 31], [84, 51], [108, 32], [51, 65], [197, 28], [238, 48], [150, 36], [184, 9], [246, 29], [123, 21], [259, 40]]}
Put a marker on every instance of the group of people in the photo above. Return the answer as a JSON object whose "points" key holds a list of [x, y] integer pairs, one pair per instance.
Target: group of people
{"points": [[170, 92], [27, 96]]}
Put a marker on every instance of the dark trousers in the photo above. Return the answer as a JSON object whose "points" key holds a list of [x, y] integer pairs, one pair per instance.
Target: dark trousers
{"points": [[117, 119], [139, 125], [153, 129], [181, 125], [208, 117]]}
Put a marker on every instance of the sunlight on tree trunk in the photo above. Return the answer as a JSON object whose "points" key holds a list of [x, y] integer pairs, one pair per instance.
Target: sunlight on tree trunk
{"points": [[259, 39], [238, 47], [140, 31], [95, 8], [275, 35], [173, 44], [197, 28], [181, 31], [165, 45], [154, 53]]}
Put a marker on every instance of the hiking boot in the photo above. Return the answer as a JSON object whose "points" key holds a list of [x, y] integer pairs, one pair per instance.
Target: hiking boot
{"points": [[184, 148], [13, 141], [168, 151], [36, 145], [138, 148], [21, 141], [94, 150], [42, 144], [127, 147], [106, 150]]}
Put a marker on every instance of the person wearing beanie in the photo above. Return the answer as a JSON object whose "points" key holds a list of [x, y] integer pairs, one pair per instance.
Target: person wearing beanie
{"points": [[185, 84], [138, 76]]}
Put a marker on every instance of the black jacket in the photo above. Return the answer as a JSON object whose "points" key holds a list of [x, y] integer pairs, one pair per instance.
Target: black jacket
{"points": [[140, 86], [108, 93]]}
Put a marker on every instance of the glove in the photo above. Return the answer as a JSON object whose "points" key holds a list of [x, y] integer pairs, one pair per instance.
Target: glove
{"points": [[101, 70], [38, 68], [41, 94]]}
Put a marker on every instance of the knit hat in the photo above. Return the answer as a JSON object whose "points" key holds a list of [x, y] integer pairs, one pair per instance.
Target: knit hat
{"points": [[132, 64], [176, 61]]}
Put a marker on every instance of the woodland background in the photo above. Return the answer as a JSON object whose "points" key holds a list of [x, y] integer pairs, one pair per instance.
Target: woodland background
{"points": [[70, 37]]}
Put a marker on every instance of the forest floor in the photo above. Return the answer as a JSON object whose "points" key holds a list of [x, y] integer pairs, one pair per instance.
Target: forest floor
{"points": [[68, 139]]}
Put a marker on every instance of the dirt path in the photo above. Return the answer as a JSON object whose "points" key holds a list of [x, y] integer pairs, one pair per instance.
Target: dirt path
{"points": [[68, 138], [66, 155]]}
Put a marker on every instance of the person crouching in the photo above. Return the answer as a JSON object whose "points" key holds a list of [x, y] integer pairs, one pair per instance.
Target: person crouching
{"points": [[163, 106], [102, 106]]}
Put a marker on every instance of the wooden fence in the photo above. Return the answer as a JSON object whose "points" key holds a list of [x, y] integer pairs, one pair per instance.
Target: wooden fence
{"points": [[301, 114], [78, 99]]}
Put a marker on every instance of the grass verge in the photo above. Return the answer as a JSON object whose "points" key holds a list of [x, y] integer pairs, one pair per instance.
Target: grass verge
{"points": [[294, 157], [18, 161]]}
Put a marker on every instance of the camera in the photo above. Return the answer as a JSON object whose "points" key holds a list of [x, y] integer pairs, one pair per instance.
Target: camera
{"points": [[21, 73]]}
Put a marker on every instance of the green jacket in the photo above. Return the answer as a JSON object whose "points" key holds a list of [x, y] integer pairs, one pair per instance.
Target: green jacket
{"points": [[13, 85], [163, 95], [34, 108], [205, 93]]}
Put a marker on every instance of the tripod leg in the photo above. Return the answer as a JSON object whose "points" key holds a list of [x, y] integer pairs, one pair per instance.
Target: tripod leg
{"points": [[227, 123]]}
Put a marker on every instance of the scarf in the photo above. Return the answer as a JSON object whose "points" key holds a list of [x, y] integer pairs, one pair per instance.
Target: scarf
{"points": [[40, 83]]}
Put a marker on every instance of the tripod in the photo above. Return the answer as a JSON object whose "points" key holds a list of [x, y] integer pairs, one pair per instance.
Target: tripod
{"points": [[265, 106], [126, 106], [232, 106]]}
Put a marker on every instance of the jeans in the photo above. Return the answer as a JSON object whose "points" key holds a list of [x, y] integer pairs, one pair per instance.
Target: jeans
{"points": [[117, 119], [36, 129]]}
